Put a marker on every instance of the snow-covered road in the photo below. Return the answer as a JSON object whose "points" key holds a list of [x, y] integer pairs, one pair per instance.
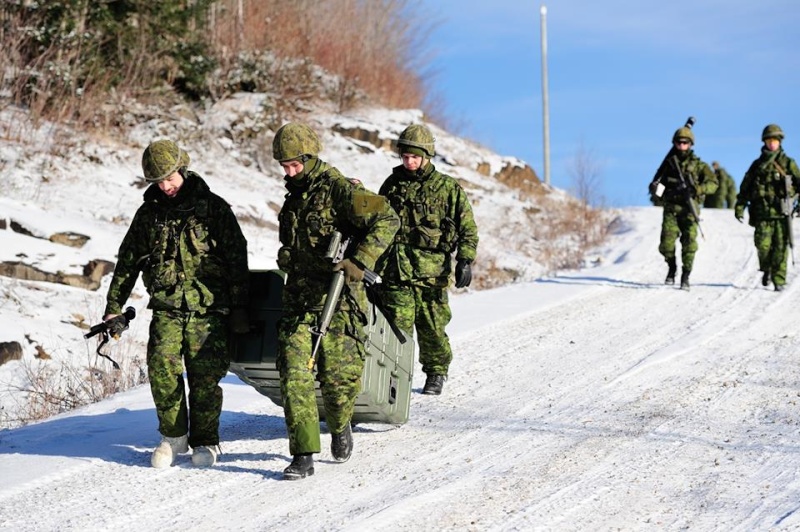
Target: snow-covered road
{"points": [[597, 399]]}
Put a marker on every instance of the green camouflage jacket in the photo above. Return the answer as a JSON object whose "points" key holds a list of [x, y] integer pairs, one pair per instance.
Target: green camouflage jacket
{"points": [[189, 249], [327, 202], [763, 188], [725, 196], [436, 221], [694, 171]]}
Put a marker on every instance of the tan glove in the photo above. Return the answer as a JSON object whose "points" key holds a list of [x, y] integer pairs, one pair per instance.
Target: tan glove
{"points": [[352, 271]]}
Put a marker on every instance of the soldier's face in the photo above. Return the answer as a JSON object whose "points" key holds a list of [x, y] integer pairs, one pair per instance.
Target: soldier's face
{"points": [[292, 168], [411, 162], [772, 144], [682, 144], [171, 185]]}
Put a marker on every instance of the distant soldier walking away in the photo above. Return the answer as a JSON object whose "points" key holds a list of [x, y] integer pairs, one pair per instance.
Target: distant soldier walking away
{"points": [[189, 248], [680, 184], [768, 192], [320, 201], [725, 196], [436, 223]]}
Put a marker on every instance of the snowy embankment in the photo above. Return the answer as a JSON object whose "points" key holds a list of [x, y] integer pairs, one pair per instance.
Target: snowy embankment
{"points": [[594, 400]]}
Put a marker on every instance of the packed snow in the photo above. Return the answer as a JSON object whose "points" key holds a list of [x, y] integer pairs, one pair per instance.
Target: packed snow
{"points": [[596, 399]]}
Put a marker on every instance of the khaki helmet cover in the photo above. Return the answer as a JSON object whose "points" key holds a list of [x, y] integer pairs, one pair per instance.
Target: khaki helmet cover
{"points": [[293, 141], [416, 136], [161, 159]]}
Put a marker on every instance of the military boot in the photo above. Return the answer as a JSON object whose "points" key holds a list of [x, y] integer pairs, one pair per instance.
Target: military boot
{"points": [[685, 279], [673, 267], [765, 279], [302, 466], [433, 385], [342, 444]]}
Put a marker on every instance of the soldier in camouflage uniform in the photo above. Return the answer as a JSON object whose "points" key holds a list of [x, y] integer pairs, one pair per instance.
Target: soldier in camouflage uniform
{"points": [[678, 220], [767, 191], [189, 248], [725, 196], [436, 221], [321, 200]]}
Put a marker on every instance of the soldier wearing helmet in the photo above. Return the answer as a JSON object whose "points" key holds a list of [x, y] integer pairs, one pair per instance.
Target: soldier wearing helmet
{"points": [[768, 192], [189, 248], [321, 200], [678, 197], [436, 224], [725, 196]]}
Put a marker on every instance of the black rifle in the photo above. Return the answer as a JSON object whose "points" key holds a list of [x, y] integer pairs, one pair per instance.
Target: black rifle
{"points": [[687, 185], [336, 252], [111, 328], [657, 178]]}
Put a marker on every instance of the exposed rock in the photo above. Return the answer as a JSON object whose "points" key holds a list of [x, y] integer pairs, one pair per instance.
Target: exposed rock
{"points": [[93, 272], [10, 351], [364, 135], [74, 240], [41, 354], [522, 178]]}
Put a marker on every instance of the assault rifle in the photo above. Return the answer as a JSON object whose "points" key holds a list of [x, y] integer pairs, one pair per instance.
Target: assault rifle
{"points": [[336, 252], [656, 185], [111, 328], [787, 207], [686, 186]]}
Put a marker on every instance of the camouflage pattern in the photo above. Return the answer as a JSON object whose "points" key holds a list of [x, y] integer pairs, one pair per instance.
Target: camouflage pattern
{"points": [[417, 136], [294, 140], [193, 259], [201, 343], [683, 133], [725, 195], [772, 131], [323, 202], [161, 159], [189, 249], [678, 221], [762, 191], [436, 222], [340, 362], [428, 309]]}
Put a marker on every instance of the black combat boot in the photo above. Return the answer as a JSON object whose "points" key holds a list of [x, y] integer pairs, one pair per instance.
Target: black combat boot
{"points": [[765, 278], [673, 267], [302, 466], [342, 444], [685, 279], [433, 385], [779, 287]]}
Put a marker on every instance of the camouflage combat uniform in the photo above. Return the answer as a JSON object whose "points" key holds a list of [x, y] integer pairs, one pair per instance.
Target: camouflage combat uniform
{"points": [[193, 259], [436, 221], [677, 220], [323, 202], [762, 192], [725, 196]]}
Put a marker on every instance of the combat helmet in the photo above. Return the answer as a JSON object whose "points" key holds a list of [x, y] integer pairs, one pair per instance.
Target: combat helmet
{"points": [[683, 133], [293, 141], [772, 131], [161, 159], [416, 136]]}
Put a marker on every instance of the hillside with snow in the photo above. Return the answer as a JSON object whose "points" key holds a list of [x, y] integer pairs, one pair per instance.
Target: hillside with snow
{"points": [[595, 399]]}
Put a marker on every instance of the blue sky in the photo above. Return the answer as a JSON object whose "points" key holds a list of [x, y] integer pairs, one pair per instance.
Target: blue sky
{"points": [[623, 76]]}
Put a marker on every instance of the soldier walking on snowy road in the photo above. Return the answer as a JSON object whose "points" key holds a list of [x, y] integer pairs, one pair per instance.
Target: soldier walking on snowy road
{"points": [[320, 201], [189, 248], [437, 222], [767, 191]]}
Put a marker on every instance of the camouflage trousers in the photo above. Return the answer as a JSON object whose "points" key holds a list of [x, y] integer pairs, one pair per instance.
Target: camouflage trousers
{"points": [[678, 222], [772, 245], [340, 363], [200, 342], [427, 308]]}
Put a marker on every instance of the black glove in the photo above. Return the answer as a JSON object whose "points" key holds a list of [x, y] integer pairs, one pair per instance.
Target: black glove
{"points": [[352, 271], [463, 273], [239, 321]]}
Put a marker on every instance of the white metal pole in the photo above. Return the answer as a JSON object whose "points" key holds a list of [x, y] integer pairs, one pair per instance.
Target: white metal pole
{"points": [[545, 101]]}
